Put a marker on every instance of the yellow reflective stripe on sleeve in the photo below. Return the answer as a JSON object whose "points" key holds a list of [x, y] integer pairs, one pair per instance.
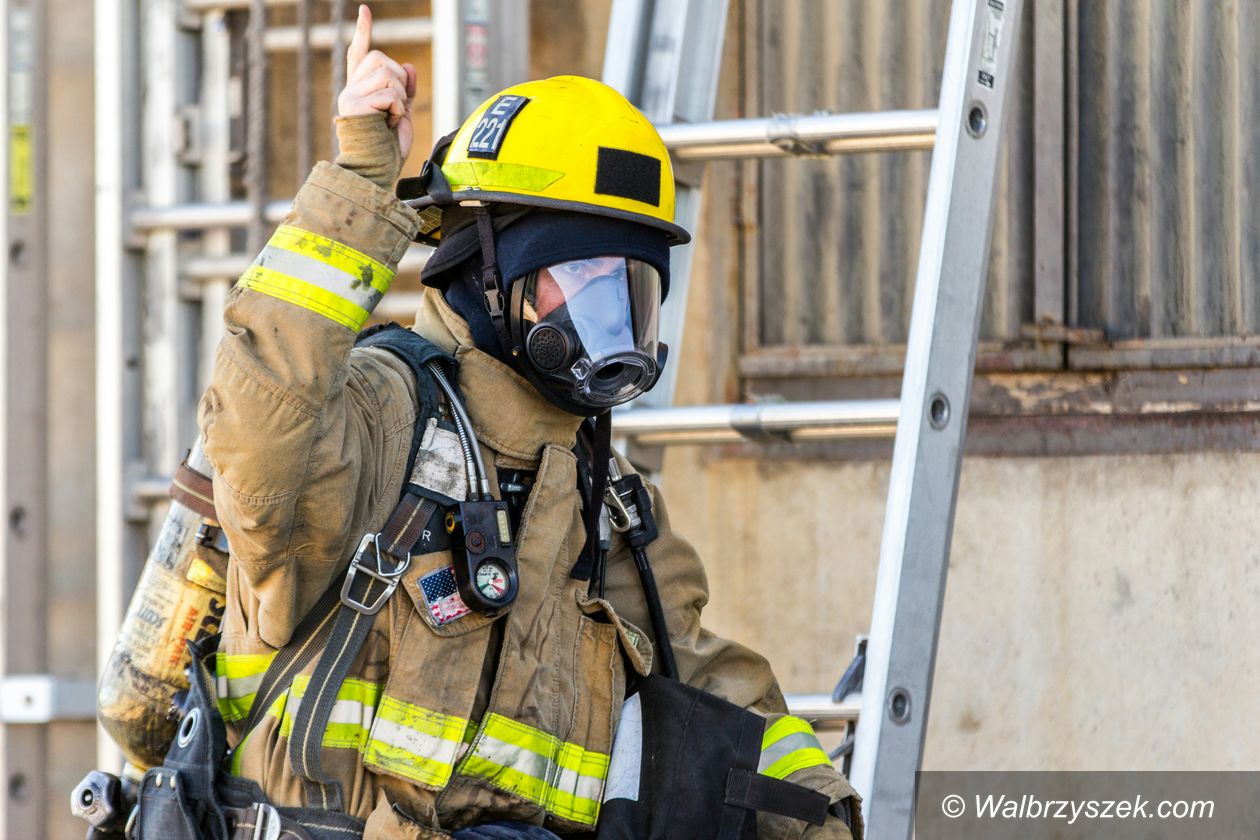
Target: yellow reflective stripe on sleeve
{"points": [[788, 745], [237, 677], [566, 779], [333, 254], [348, 725], [319, 274], [414, 742], [306, 295]]}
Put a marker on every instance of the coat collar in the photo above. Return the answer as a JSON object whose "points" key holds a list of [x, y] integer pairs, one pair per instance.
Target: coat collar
{"points": [[507, 411]]}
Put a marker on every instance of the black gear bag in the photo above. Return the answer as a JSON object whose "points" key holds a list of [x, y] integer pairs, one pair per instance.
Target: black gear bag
{"points": [[696, 760], [684, 762]]}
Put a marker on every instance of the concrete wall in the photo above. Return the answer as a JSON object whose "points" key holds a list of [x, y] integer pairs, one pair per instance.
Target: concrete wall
{"points": [[1095, 617]]}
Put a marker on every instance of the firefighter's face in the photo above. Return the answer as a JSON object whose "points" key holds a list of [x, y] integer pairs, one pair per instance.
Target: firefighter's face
{"points": [[552, 290]]}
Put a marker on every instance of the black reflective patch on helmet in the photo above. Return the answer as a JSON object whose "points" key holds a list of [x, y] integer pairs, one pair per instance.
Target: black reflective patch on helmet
{"points": [[628, 175], [487, 136]]}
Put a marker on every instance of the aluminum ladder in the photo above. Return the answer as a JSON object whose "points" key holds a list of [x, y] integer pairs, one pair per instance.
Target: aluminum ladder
{"points": [[665, 56]]}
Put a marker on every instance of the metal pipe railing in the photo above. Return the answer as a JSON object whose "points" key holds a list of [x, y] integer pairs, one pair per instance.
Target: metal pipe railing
{"points": [[203, 6], [230, 266], [793, 421], [203, 216], [807, 135], [692, 424], [384, 33]]}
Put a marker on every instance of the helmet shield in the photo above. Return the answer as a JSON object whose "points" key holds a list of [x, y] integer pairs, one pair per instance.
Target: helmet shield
{"points": [[590, 328]]}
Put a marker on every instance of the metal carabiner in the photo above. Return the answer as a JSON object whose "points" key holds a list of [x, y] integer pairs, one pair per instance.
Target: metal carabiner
{"points": [[620, 517]]}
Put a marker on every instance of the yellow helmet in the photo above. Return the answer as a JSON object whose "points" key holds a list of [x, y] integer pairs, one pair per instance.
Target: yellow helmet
{"points": [[566, 143]]}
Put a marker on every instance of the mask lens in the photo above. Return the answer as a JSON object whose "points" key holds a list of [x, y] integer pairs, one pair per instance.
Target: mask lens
{"points": [[592, 327]]}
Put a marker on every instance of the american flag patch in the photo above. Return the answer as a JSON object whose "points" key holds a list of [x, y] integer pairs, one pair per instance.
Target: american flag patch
{"points": [[442, 596]]}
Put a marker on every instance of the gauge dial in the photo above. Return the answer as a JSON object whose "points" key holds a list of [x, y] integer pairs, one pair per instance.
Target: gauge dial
{"points": [[492, 581]]}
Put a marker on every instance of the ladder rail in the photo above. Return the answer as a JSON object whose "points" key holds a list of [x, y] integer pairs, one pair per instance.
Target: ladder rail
{"points": [[785, 421], [927, 454]]}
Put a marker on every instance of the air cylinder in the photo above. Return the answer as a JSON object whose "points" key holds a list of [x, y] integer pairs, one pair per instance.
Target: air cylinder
{"points": [[180, 596]]}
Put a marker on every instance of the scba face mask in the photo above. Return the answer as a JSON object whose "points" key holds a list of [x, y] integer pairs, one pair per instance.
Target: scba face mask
{"points": [[589, 330]]}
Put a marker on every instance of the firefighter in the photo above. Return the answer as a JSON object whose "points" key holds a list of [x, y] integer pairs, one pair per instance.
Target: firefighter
{"points": [[547, 295]]}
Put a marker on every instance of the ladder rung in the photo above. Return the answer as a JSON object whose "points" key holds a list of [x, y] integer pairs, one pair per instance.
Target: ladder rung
{"points": [[810, 135], [824, 134], [822, 712], [789, 421]]}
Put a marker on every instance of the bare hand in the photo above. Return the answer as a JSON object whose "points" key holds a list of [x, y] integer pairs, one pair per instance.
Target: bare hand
{"points": [[375, 83]]}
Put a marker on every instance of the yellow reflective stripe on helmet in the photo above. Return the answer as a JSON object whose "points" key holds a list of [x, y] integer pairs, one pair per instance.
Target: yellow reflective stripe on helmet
{"points": [[489, 174], [319, 274], [564, 778], [788, 745], [237, 677], [414, 742]]}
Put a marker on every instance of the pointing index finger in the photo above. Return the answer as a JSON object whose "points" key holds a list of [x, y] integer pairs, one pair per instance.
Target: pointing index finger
{"points": [[361, 43]]}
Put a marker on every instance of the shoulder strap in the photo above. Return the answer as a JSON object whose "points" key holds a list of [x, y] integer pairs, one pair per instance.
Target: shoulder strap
{"points": [[371, 579], [347, 609], [416, 351]]}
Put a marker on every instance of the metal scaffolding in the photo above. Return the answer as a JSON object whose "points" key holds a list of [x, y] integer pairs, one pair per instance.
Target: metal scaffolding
{"points": [[168, 232], [23, 422]]}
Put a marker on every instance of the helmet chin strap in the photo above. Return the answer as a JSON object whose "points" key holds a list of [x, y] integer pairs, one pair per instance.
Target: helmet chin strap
{"points": [[492, 284]]}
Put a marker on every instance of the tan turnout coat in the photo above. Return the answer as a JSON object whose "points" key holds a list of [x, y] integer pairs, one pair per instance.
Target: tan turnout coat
{"points": [[309, 440]]}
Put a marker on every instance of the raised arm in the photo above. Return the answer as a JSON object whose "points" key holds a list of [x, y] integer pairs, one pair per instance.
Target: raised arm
{"points": [[296, 426]]}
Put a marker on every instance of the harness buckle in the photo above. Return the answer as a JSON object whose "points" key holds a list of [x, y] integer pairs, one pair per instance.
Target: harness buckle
{"points": [[494, 302], [376, 570], [266, 822]]}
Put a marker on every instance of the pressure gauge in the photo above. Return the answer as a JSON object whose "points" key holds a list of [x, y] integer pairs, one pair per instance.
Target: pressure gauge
{"points": [[484, 555], [493, 581]]}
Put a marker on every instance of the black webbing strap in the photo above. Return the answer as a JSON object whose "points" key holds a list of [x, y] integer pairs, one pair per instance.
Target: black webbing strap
{"points": [[372, 577], [756, 792], [307, 640], [601, 451], [491, 282]]}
